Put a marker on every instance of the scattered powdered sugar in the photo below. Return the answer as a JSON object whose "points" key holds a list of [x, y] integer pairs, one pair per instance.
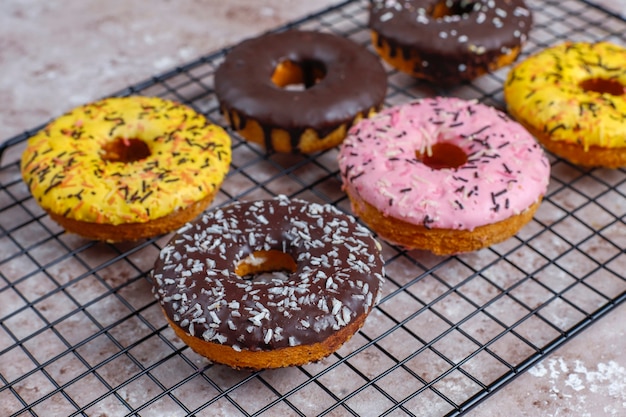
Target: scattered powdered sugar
{"points": [[582, 383]]}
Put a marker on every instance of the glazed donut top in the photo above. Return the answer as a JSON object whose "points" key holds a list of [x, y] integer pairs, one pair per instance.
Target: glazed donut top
{"points": [[64, 167], [553, 80], [506, 170], [337, 278], [354, 82], [490, 27]]}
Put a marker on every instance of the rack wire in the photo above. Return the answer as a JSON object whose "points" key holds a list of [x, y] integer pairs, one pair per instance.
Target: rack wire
{"points": [[81, 334]]}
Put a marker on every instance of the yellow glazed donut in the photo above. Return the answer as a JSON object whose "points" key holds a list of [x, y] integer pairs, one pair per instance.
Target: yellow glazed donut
{"points": [[572, 97], [126, 168]]}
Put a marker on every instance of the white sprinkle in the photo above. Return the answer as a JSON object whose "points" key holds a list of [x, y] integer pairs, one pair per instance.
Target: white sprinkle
{"points": [[262, 219], [336, 306], [387, 16], [214, 317], [256, 320], [520, 11], [346, 314], [329, 282], [208, 334]]}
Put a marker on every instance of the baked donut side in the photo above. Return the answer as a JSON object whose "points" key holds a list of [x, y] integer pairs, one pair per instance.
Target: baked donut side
{"points": [[443, 174], [447, 42], [338, 82], [572, 97], [436, 240], [126, 168], [269, 283]]}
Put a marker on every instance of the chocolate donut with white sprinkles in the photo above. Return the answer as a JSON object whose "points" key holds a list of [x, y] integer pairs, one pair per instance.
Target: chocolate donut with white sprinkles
{"points": [[449, 41], [269, 283]]}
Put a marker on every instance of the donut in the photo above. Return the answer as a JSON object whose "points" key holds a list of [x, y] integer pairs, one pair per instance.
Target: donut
{"points": [[126, 168], [443, 174], [572, 98], [298, 91], [268, 283], [448, 42]]}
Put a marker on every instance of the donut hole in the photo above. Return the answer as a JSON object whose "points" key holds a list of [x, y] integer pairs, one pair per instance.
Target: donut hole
{"points": [[445, 8], [603, 85], [266, 265], [443, 155], [125, 150], [298, 75]]}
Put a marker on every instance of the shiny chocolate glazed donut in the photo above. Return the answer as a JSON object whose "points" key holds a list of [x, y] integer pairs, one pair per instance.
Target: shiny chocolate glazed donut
{"points": [[449, 41], [269, 283], [339, 82]]}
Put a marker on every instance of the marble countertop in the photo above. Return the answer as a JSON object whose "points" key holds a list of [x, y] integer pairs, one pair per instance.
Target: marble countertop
{"points": [[55, 55]]}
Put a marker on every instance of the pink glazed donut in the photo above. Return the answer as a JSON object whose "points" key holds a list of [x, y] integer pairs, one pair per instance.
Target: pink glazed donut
{"points": [[443, 174]]}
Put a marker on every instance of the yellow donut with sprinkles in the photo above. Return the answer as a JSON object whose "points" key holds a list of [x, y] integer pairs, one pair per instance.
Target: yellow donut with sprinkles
{"points": [[572, 97], [126, 168]]}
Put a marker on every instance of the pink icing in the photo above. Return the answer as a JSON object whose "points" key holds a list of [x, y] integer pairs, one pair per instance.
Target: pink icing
{"points": [[506, 171]]}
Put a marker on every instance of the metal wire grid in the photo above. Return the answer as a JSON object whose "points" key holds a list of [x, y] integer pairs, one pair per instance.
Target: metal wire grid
{"points": [[80, 333]]}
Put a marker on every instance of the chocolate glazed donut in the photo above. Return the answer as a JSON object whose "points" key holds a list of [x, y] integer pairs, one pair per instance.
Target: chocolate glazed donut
{"points": [[339, 80], [217, 283], [447, 42]]}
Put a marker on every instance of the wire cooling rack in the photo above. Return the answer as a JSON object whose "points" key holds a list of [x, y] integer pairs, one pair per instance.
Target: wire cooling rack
{"points": [[81, 333]]}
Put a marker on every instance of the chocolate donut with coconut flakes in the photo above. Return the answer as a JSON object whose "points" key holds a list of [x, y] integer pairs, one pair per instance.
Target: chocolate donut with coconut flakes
{"points": [[449, 41], [269, 283]]}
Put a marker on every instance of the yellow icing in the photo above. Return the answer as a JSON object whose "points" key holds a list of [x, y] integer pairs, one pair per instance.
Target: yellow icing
{"points": [[544, 92], [64, 168]]}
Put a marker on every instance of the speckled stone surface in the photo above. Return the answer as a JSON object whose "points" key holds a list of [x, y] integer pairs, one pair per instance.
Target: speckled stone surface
{"points": [[585, 378], [59, 54], [55, 55]]}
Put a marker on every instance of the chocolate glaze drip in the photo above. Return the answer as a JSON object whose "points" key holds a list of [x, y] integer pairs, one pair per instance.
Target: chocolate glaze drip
{"points": [[339, 271], [450, 45], [354, 82]]}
